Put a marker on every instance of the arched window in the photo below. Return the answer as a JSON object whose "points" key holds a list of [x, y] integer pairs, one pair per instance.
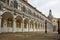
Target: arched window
{"points": [[11, 3], [29, 11], [15, 4], [24, 9], [8, 2]]}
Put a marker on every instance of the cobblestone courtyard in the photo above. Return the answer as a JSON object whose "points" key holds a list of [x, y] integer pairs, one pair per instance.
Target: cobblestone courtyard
{"points": [[29, 36]]}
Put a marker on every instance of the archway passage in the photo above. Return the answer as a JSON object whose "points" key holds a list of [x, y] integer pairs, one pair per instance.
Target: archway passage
{"points": [[18, 21], [31, 24], [7, 19], [7, 22], [36, 25], [26, 22]]}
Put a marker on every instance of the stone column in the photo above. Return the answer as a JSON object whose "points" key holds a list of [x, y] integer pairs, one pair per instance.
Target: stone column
{"points": [[29, 27], [37, 27], [22, 25], [4, 26], [34, 26], [0, 24], [14, 25]]}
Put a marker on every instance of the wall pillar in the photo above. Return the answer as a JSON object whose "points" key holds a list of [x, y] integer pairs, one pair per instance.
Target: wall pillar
{"points": [[37, 27], [34, 26], [22, 25], [14, 25], [29, 27], [5, 26]]}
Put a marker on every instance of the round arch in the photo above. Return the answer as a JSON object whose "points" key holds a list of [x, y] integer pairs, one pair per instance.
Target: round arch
{"points": [[7, 22], [31, 24], [26, 22], [7, 18], [18, 21], [36, 25]]}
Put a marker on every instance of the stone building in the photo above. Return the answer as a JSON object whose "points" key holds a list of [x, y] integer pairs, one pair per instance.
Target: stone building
{"points": [[54, 21], [20, 16]]}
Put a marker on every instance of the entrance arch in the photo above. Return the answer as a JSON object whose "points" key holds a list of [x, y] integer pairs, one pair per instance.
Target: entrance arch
{"points": [[31, 25], [7, 22], [35, 26], [38, 26], [19, 23], [26, 24]]}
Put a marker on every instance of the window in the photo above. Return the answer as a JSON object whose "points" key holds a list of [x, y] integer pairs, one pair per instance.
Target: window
{"points": [[34, 14], [23, 8], [11, 4], [8, 2], [15, 4], [9, 22], [29, 11], [18, 24]]}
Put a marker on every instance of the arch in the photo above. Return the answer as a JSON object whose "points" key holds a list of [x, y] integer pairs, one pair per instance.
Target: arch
{"points": [[31, 24], [7, 22], [18, 21], [36, 25], [7, 11], [7, 19], [26, 22]]}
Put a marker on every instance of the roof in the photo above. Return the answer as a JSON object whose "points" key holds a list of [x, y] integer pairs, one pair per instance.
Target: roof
{"points": [[35, 9]]}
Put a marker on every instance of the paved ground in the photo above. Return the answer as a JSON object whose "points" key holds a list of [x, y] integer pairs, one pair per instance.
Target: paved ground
{"points": [[29, 36]]}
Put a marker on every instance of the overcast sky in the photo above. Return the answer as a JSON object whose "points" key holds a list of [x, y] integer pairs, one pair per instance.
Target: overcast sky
{"points": [[45, 5]]}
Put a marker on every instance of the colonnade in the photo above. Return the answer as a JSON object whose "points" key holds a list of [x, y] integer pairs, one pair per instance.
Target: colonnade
{"points": [[10, 23]]}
